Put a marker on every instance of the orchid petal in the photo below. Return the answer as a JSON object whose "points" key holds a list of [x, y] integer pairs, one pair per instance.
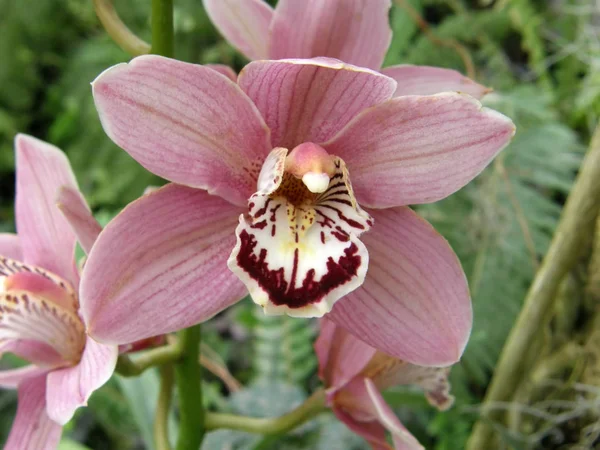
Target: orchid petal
{"points": [[46, 237], [185, 123], [38, 353], [244, 23], [401, 437], [355, 31], [433, 380], [10, 246], [160, 265], [371, 431], [32, 428], [311, 100], [427, 80], [414, 304], [13, 377], [224, 70], [78, 214], [70, 388], [419, 149], [341, 355]]}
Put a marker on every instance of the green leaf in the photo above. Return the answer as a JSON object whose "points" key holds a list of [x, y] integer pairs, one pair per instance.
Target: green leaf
{"points": [[70, 444], [142, 394]]}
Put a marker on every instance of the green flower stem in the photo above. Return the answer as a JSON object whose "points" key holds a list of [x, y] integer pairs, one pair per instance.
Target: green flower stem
{"points": [[131, 367], [162, 27], [572, 233], [161, 420], [189, 388], [308, 410], [118, 31]]}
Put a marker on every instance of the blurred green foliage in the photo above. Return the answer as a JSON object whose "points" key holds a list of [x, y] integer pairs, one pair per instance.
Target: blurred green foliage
{"points": [[542, 59]]}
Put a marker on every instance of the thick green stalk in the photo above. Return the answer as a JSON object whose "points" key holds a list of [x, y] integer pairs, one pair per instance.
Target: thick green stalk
{"points": [[574, 230], [161, 421], [189, 388], [162, 27], [308, 410]]}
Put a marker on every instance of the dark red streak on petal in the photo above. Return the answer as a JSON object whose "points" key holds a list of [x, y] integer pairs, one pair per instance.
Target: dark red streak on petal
{"points": [[273, 282], [351, 222]]}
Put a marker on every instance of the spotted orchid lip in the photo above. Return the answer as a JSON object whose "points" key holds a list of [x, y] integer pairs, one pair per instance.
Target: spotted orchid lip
{"points": [[36, 305], [298, 250]]}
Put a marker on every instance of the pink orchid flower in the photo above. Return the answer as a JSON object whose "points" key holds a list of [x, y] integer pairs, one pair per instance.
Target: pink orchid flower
{"points": [[354, 31], [39, 304], [291, 154], [355, 373]]}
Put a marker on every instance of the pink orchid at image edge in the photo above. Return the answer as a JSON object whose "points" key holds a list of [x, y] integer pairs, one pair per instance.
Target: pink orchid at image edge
{"points": [[39, 301], [354, 374], [354, 31], [291, 154]]}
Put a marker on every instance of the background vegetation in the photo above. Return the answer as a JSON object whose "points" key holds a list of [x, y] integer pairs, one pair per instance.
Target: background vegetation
{"points": [[543, 60]]}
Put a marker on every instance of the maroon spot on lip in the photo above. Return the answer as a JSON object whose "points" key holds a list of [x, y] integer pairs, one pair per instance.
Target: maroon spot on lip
{"points": [[310, 291], [263, 210], [260, 225]]}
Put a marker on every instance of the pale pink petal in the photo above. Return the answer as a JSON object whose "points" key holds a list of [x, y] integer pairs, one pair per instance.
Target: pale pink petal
{"points": [[70, 388], [427, 80], [184, 122], [311, 100], [244, 23], [341, 355], [223, 70], [355, 31], [38, 353], [403, 440], [370, 430], [78, 214], [46, 237], [32, 429], [13, 377], [414, 304], [10, 246], [419, 149], [160, 266]]}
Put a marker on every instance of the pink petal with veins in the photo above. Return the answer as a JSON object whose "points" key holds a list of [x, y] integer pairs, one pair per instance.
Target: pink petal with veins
{"points": [[427, 80], [32, 428], [311, 100], [71, 387], [160, 265], [414, 304], [355, 31], [244, 23], [78, 214], [184, 122], [46, 237], [419, 149]]}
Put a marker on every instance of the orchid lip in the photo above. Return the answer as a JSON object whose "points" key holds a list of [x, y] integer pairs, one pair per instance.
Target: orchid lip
{"points": [[297, 249], [39, 306]]}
